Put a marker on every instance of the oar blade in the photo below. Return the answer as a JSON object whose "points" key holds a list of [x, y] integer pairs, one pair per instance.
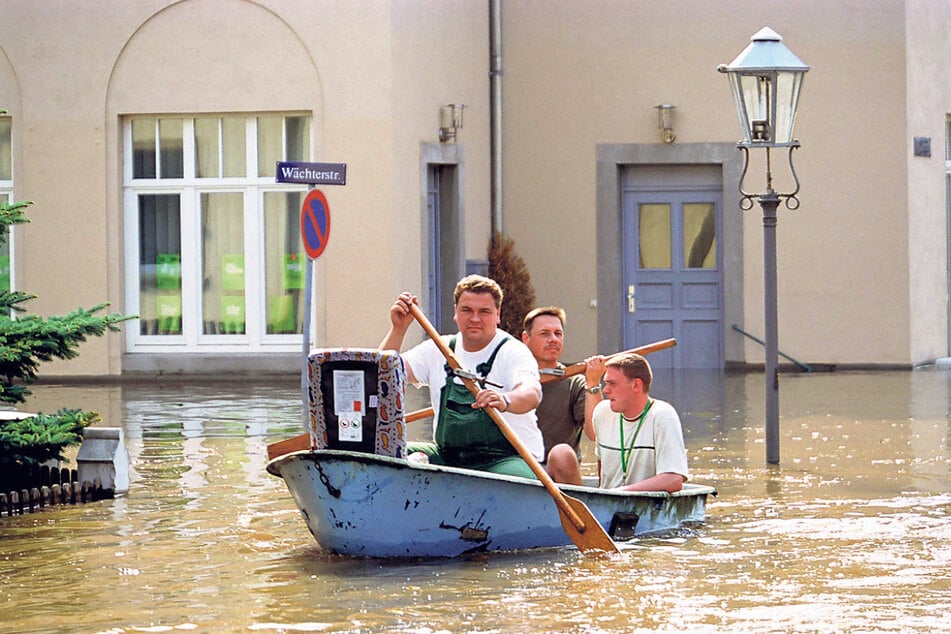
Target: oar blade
{"points": [[282, 447], [302, 442], [593, 537]]}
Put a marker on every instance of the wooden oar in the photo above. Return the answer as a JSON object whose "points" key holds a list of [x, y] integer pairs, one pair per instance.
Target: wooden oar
{"points": [[302, 442], [578, 368], [578, 522]]}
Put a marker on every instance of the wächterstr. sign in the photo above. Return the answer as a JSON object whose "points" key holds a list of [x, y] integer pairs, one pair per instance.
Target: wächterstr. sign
{"points": [[312, 173]]}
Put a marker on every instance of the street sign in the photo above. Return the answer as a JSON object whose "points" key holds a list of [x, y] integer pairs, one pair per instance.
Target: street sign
{"points": [[315, 223], [312, 173]]}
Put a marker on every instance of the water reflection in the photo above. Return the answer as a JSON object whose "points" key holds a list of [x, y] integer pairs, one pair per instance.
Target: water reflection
{"points": [[850, 532]]}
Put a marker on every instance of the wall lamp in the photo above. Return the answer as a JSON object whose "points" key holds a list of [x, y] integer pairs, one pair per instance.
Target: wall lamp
{"points": [[450, 120], [665, 122]]}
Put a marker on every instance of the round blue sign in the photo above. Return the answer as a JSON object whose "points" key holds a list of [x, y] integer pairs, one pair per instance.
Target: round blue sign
{"points": [[315, 223]]}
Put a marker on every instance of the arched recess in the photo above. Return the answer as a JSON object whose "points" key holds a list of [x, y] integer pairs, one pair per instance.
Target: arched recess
{"points": [[214, 56], [203, 56], [9, 86], [11, 97]]}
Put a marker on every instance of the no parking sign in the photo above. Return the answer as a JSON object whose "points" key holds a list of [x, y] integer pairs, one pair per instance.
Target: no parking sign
{"points": [[315, 223]]}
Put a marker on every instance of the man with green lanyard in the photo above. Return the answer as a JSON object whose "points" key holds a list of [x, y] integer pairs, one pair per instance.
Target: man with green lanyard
{"points": [[640, 441], [464, 434]]}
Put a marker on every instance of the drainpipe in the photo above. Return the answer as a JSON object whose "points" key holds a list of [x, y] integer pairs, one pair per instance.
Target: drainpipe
{"points": [[495, 123]]}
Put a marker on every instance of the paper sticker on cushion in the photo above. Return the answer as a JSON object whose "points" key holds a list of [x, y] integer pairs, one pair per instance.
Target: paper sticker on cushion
{"points": [[356, 400]]}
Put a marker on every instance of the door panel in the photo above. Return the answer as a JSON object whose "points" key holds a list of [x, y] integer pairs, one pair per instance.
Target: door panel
{"points": [[672, 275], [434, 240]]}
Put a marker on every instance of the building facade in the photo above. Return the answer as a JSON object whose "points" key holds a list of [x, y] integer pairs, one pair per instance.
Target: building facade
{"points": [[146, 134]]}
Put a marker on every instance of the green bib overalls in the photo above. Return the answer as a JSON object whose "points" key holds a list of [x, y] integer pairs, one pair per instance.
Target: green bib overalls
{"points": [[466, 436]]}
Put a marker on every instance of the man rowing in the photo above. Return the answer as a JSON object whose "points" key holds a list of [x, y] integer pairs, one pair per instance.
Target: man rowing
{"points": [[464, 434]]}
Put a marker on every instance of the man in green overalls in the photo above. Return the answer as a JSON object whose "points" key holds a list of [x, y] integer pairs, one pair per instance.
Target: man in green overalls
{"points": [[464, 434]]}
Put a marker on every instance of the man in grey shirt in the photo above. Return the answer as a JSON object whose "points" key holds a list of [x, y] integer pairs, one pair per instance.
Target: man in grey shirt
{"points": [[567, 403]]}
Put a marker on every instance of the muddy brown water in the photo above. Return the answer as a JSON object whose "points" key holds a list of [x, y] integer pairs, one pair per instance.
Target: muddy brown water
{"points": [[850, 533]]}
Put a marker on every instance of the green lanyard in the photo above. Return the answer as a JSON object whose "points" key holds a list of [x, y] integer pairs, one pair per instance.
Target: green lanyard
{"points": [[627, 452]]}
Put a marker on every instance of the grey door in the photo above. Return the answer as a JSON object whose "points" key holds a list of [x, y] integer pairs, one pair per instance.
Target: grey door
{"points": [[434, 241], [672, 278], [443, 259]]}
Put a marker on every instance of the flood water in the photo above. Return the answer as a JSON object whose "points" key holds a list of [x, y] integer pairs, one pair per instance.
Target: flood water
{"points": [[850, 533]]}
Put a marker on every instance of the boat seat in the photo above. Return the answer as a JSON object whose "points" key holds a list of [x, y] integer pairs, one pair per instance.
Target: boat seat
{"points": [[355, 398]]}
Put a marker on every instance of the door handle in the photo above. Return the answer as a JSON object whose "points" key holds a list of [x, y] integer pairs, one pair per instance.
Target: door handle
{"points": [[631, 304]]}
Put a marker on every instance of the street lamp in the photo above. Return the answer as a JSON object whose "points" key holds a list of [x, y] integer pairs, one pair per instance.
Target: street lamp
{"points": [[766, 79]]}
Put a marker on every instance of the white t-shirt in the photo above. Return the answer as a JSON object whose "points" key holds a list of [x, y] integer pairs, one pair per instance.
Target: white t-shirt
{"points": [[657, 448], [513, 365]]}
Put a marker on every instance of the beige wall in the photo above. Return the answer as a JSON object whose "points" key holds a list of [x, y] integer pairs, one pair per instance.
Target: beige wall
{"points": [[863, 260], [372, 74], [575, 79], [440, 52], [929, 102]]}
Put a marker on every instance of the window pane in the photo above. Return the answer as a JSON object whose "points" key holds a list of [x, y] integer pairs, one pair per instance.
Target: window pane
{"points": [[6, 149], [160, 264], [5, 284], [284, 262], [6, 279], [700, 236], [170, 144], [298, 139], [143, 148], [206, 147], [222, 260], [654, 233], [234, 144], [270, 144]]}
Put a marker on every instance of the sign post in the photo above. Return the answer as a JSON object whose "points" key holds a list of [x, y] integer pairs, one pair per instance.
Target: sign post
{"points": [[315, 233]]}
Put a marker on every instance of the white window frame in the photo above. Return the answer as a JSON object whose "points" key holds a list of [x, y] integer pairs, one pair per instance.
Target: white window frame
{"points": [[6, 193], [190, 189]]}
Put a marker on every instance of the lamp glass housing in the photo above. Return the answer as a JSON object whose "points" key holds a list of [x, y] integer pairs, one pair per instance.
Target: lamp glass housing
{"points": [[766, 105], [766, 79]]}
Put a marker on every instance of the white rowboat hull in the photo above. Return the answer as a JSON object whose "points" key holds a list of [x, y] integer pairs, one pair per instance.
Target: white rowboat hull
{"points": [[367, 505]]}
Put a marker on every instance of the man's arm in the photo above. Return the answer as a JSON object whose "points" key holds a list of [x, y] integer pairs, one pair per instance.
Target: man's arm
{"points": [[400, 320], [593, 371], [518, 368], [670, 482], [523, 398]]}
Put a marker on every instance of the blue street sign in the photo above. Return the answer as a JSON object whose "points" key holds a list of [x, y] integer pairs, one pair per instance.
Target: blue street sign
{"points": [[312, 173]]}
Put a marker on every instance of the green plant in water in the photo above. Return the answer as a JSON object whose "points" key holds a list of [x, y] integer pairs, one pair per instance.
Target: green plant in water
{"points": [[34, 440]]}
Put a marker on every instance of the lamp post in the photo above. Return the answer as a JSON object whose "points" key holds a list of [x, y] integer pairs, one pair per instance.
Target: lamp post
{"points": [[766, 78]]}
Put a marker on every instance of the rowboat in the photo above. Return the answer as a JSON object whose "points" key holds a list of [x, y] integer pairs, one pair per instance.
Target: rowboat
{"points": [[369, 505]]}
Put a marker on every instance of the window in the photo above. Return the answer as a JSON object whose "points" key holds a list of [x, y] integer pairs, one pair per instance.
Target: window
{"points": [[6, 194], [214, 255]]}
